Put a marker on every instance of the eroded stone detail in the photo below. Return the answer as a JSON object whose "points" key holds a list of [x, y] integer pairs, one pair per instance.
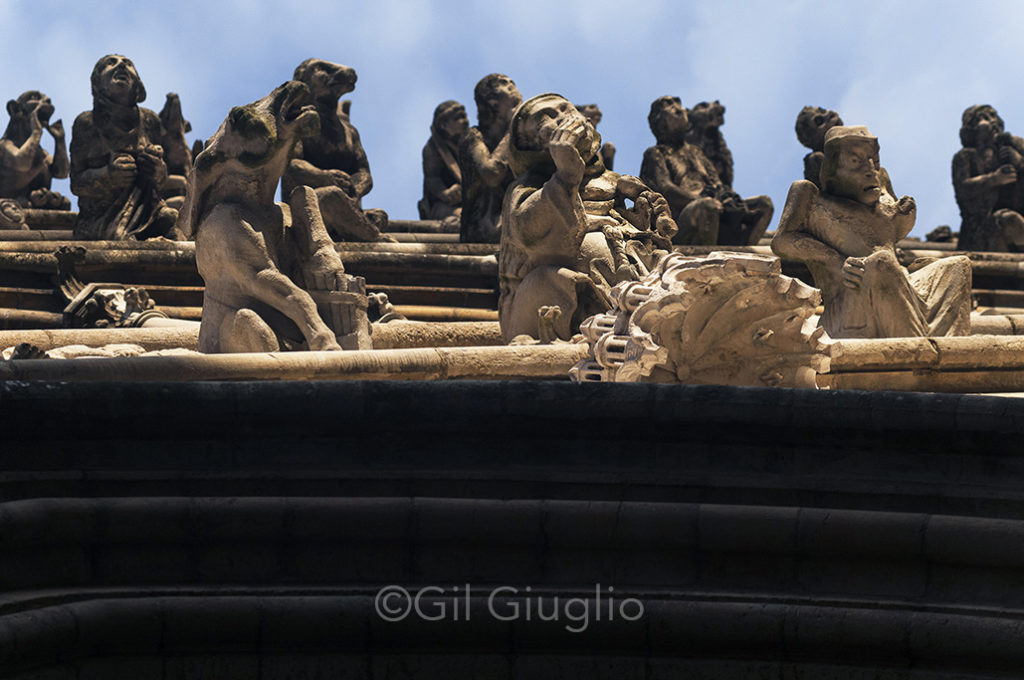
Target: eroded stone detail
{"points": [[273, 277], [812, 123], [726, 319], [26, 168]]}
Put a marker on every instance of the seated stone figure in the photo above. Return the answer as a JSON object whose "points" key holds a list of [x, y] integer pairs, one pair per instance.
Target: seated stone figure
{"points": [[706, 210], [177, 154], [442, 178], [846, 235], [333, 162], [271, 271], [706, 120], [593, 114], [567, 236], [117, 164], [811, 125], [483, 159], [26, 169], [987, 181]]}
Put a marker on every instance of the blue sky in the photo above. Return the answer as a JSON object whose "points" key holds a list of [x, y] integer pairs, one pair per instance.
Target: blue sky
{"points": [[906, 70]]}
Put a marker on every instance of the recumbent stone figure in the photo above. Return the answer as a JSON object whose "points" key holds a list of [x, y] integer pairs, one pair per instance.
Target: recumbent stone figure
{"points": [[846, 234]]}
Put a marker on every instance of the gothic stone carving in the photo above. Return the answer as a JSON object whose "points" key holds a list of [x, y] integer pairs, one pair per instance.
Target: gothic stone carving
{"points": [[442, 178], [272, 275], [725, 319], [846, 235], [26, 168], [811, 125]]}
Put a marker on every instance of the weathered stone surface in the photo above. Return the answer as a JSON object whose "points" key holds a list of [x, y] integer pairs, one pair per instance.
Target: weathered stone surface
{"points": [[846, 235], [707, 211], [592, 113], [442, 177], [567, 236], [117, 159], [484, 159], [987, 185], [726, 319], [272, 274], [811, 125], [333, 161], [26, 168]]}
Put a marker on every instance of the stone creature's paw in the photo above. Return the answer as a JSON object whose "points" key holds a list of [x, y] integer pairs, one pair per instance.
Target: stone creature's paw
{"points": [[324, 342]]}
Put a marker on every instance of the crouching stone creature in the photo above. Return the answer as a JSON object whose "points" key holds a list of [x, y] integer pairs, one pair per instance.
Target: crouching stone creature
{"points": [[272, 274]]}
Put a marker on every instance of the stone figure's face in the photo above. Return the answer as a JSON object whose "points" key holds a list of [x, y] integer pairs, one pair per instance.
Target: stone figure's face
{"points": [[118, 78], [813, 123], [37, 102], [710, 114], [544, 116], [674, 121], [857, 174], [327, 80], [591, 113], [455, 123], [505, 94], [987, 125]]}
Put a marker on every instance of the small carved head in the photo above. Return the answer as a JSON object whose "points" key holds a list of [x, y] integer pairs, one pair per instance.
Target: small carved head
{"points": [[114, 77], [811, 125], [325, 79], [668, 119], [979, 124], [851, 168], [450, 120], [591, 113], [535, 121], [707, 115], [494, 94], [29, 102]]}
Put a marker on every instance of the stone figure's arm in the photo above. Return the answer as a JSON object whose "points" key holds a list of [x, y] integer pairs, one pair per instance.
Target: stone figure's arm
{"points": [[89, 178], [59, 164], [433, 186], [490, 166], [302, 172], [793, 240], [21, 158], [966, 184], [655, 174], [906, 215], [1011, 150], [362, 180]]}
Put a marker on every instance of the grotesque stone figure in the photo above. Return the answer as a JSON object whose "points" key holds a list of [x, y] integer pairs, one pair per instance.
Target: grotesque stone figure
{"points": [[483, 159], [442, 178], [567, 236], [333, 162], [987, 181], [707, 211], [26, 169], [272, 274], [846, 235], [811, 125], [117, 162], [706, 119], [177, 154], [593, 114]]}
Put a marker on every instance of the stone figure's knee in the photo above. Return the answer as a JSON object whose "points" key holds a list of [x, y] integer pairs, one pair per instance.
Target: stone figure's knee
{"points": [[1007, 218]]}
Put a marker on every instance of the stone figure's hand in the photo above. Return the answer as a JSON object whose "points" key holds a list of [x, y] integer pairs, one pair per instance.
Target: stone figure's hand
{"points": [[563, 148], [906, 205], [1006, 174], [151, 163], [342, 180], [56, 129], [453, 194], [1007, 154], [122, 170], [853, 272]]}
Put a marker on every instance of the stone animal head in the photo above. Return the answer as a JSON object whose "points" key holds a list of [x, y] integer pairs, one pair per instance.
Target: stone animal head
{"points": [[531, 128], [980, 124], [811, 125], [326, 80], [244, 159], [114, 78], [707, 115], [668, 119], [21, 110], [495, 95]]}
